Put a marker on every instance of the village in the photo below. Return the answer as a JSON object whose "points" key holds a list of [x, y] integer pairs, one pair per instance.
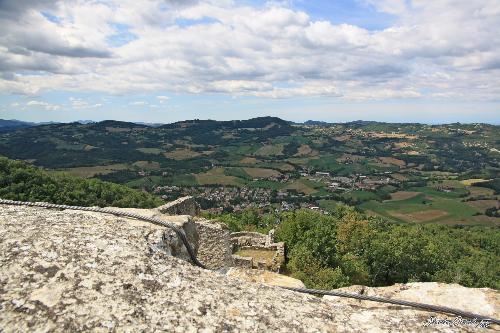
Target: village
{"points": [[217, 198]]}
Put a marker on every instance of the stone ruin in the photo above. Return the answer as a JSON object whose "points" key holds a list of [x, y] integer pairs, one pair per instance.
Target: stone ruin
{"points": [[217, 245], [257, 241]]}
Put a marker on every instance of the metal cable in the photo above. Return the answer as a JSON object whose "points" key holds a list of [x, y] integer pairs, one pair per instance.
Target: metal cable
{"points": [[180, 233], [423, 306], [182, 236]]}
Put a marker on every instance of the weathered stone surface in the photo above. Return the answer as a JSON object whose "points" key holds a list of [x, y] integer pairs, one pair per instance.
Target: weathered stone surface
{"points": [[79, 271], [182, 206], [266, 277], [214, 244], [166, 239], [482, 301]]}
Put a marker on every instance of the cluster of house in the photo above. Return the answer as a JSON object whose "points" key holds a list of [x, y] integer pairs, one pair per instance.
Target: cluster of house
{"points": [[353, 182], [239, 198]]}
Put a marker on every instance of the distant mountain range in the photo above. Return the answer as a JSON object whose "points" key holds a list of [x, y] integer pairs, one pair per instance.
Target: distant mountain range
{"points": [[259, 122], [12, 125]]}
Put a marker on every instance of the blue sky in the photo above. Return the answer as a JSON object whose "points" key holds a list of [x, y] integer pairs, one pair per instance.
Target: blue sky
{"points": [[168, 60]]}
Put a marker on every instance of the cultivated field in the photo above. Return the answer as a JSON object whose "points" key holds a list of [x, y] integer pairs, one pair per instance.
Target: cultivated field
{"points": [[88, 172], [217, 176], [182, 154], [261, 172], [270, 150], [403, 195]]}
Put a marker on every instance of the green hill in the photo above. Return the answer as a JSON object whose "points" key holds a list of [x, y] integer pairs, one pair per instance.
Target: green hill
{"points": [[20, 181]]}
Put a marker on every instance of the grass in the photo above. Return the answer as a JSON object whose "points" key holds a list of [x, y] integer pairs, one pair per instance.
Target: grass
{"points": [[270, 150], [266, 184], [216, 176], [482, 205], [302, 185], [423, 208], [237, 172], [88, 172], [146, 181], [403, 195], [455, 193], [147, 165], [184, 180], [477, 191], [392, 160], [261, 172], [181, 154], [360, 195], [249, 160]]}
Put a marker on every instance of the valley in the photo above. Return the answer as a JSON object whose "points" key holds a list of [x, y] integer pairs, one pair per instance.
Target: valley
{"points": [[407, 173]]}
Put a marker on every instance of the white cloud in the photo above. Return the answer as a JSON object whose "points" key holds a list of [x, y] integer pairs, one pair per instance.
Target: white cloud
{"points": [[79, 103], [44, 105], [138, 103], [435, 49], [162, 99]]}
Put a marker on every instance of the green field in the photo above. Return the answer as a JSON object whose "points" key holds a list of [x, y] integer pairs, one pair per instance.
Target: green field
{"points": [[424, 208]]}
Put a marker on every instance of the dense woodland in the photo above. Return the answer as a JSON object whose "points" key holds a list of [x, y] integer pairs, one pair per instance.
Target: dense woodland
{"points": [[19, 181], [347, 247]]}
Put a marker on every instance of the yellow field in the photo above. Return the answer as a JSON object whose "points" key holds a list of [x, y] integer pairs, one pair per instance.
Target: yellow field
{"points": [[181, 154], [476, 191], [305, 150], [249, 160], [469, 182], [399, 176], [261, 172], [87, 172], [392, 160], [216, 176]]}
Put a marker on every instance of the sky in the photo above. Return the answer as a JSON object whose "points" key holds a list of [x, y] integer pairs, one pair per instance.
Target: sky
{"points": [[168, 60]]}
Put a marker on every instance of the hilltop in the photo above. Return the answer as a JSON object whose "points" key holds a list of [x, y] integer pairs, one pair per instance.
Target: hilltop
{"points": [[79, 271], [406, 173]]}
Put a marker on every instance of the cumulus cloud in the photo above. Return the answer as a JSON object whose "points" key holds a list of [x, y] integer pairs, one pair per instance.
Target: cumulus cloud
{"points": [[79, 103], [442, 49], [44, 105]]}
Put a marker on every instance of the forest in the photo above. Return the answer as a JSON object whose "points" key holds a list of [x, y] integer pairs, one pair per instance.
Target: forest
{"points": [[346, 247], [20, 181]]}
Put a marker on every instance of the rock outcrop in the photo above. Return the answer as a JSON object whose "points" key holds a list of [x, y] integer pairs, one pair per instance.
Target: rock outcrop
{"points": [[81, 271], [263, 276]]}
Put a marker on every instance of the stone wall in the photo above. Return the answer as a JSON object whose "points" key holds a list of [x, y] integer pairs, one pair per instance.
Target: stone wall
{"points": [[258, 241], [182, 206], [214, 245]]}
